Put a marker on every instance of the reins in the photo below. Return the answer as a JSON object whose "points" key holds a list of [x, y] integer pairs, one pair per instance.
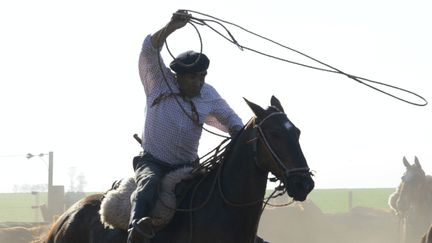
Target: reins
{"points": [[216, 161], [206, 166], [218, 158], [286, 171], [329, 68]]}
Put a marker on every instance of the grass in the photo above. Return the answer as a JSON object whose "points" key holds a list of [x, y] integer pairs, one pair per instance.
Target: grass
{"points": [[17, 207], [337, 200]]}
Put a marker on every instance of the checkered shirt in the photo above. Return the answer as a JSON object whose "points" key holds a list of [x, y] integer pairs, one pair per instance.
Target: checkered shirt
{"points": [[169, 134]]}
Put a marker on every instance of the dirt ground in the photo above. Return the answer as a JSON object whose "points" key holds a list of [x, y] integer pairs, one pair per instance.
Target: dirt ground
{"points": [[24, 233], [298, 223], [305, 223]]}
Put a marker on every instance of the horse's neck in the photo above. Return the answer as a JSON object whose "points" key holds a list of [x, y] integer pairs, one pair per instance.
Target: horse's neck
{"points": [[427, 191], [428, 179], [242, 180], [422, 200]]}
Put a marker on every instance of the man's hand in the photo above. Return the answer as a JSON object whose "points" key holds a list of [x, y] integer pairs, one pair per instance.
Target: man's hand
{"points": [[179, 19]]}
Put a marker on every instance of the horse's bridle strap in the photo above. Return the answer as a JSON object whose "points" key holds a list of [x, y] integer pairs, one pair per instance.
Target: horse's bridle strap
{"points": [[287, 172], [267, 117]]}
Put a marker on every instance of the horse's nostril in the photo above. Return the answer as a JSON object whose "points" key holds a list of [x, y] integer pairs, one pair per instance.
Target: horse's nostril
{"points": [[311, 185]]}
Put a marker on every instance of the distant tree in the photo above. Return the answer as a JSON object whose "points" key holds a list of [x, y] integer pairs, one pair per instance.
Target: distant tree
{"points": [[29, 188], [71, 173], [82, 182], [77, 184]]}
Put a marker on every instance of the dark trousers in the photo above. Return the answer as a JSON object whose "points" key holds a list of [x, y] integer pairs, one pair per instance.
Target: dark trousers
{"points": [[148, 174]]}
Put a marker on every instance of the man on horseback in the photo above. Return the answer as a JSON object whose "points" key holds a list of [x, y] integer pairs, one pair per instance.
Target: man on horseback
{"points": [[177, 105]]}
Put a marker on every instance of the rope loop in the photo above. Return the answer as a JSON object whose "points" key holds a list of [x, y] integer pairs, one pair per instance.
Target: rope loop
{"points": [[328, 68], [200, 52]]}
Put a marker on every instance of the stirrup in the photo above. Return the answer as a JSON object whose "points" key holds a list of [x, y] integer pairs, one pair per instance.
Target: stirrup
{"points": [[136, 235], [145, 234], [147, 224]]}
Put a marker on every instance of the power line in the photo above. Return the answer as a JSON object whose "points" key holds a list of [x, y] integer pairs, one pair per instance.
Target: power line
{"points": [[13, 155]]}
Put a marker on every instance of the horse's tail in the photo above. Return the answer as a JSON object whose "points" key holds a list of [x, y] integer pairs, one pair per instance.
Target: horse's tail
{"points": [[53, 229], [42, 238], [61, 226]]}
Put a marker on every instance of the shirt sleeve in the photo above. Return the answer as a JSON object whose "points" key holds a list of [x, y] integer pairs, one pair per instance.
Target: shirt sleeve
{"points": [[222, 116], [152, 70]]}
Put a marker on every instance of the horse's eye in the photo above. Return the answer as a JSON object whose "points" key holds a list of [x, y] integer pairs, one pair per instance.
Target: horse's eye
{"points": [[275, 133]]}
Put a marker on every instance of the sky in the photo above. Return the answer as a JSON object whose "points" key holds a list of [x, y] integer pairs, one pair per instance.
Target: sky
{"points": [[69, 83]]}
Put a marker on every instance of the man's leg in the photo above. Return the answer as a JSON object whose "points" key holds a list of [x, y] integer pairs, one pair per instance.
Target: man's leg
{"points": [[148, 175]]}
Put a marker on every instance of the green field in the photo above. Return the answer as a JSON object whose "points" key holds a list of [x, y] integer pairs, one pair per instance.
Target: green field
{"points": [[336, 200], [17, 207]]}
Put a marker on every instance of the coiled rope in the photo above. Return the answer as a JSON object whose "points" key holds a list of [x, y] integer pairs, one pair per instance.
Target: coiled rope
{"points": [[367, 82]]}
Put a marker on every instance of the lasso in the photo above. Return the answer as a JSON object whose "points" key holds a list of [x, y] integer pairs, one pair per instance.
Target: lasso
{"points": [[229, 37]]}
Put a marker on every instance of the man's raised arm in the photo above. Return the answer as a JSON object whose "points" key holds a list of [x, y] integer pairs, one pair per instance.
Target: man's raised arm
{"points": [[178, 20]]}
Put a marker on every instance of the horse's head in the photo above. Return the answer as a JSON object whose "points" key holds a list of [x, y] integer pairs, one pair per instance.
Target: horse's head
{"points": [[411, 185], [279, 151]]}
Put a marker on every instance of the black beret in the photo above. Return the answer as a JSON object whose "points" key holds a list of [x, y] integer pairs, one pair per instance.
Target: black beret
{"points": [[190, 62]]}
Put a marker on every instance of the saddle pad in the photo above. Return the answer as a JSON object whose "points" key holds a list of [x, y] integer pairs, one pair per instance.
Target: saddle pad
{"points": [[116, 205]]}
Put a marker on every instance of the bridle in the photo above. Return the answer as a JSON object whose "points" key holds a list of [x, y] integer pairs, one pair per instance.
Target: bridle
{"points": [[259, 134]]}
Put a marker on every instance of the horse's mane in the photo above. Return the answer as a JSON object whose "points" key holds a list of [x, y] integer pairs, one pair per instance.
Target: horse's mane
{"points": [[209, 161], [216, 156]]}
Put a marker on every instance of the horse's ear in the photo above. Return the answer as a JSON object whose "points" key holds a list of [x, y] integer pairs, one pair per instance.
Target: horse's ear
{"points": [[416, 161], [276, 103], [257, 110], [405, 162]]}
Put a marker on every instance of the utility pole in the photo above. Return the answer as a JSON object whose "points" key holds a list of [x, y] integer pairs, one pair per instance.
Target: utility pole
{"points": [[50, 185], [55, 205], [50, 172]]}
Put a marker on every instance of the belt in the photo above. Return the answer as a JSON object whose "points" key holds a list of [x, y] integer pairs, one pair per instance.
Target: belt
{"points": [[146, 156]]}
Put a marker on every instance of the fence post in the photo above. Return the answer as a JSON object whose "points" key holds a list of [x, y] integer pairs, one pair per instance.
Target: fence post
{"points": [[350, 201]]}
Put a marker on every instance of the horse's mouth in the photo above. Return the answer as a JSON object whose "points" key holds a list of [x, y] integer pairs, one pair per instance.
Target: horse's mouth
{"points": [[300, 197], [299, 187]]}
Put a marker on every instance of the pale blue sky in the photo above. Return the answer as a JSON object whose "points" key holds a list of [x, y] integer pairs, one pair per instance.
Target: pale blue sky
{"points": [[69, 83]]}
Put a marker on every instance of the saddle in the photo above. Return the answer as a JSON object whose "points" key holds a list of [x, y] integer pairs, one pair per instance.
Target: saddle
{"points": [[116, 206]]}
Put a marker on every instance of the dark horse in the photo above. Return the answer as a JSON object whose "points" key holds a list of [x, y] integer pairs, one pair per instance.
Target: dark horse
{"points": [[228, 201], [412, 201]]}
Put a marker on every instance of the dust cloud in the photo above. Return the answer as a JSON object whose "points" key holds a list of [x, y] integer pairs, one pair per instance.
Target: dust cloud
{"points": [[306, 223]]}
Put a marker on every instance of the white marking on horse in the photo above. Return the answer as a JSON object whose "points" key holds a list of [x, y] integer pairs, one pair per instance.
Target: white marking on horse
{"points": [[288, 125]]}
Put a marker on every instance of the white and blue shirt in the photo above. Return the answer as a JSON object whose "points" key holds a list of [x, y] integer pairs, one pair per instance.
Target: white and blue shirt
{"points": [[169, 134]]}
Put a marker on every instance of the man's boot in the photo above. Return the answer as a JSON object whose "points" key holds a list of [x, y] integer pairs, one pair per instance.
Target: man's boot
{"points": [[141, 231], [260, 240]]}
